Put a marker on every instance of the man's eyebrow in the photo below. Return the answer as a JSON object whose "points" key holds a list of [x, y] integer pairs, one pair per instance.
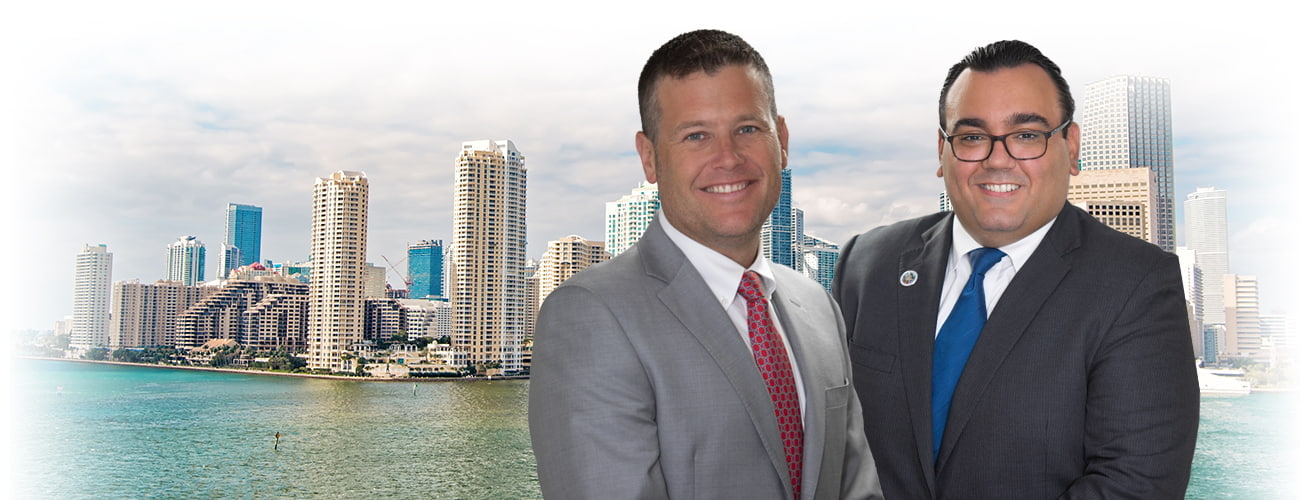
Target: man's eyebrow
{"points": [[968, 122], [1024, 118]]}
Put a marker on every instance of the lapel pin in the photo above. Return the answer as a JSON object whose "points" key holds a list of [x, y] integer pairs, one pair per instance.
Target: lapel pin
{"points": [[908, 278]]}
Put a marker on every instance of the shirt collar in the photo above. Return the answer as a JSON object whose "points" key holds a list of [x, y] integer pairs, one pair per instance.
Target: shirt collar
{"points": [[1019, 252], [720, 273]]}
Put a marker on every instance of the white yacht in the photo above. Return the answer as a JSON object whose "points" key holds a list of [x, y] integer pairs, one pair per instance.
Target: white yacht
{"points": [[1221, 381]]}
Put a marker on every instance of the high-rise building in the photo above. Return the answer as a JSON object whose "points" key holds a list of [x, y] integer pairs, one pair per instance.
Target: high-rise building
{"points": [[376, 281], [92, 288], [186, 259], [1127, 123], [145, 314], [564, 258], [1273, 329], [1192, 278], [243, 233], [531, 304], [1243, 338], [1122, 199], [261, 313], [424, 269], [488, 253], [336, 305], [1206, 215], [819, 259], [627, 218], [780, 242]]}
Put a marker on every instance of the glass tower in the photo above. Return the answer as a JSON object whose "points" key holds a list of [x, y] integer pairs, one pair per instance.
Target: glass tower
{"points": [[244, 233], [424, 269]]}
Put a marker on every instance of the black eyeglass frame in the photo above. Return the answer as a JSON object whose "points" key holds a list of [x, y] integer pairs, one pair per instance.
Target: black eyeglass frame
{"points": [[1047, 136]]}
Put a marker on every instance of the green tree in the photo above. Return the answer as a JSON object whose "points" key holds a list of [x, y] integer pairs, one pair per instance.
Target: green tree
{"points": [[96, 354]]}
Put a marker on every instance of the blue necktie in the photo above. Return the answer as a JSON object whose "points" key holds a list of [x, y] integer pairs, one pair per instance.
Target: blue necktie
{"points": [[956, 339]]}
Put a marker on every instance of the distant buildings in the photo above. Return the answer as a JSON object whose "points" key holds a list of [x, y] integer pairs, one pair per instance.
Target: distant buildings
{"points": [[90, 297], [1122, 199], [243, 240], [145, 314], [488, 253], [1127, 123], [424, 269], [336, 309], [186, 258], [564, 258], [627, 218], [819, 259], [1242, 337]]}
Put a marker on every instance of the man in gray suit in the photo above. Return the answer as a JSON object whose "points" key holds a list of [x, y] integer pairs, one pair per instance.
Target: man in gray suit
{"points": [[1018, 348], [667, 372]]}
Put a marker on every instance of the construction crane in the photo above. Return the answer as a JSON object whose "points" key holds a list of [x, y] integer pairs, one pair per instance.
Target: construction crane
{"points": [[393, 268]]}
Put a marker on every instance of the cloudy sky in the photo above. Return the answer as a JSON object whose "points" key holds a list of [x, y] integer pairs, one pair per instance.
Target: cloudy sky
{"points": [[131, 124]]}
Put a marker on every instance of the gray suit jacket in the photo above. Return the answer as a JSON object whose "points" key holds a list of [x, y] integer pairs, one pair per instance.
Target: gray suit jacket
{"points": [[1081, 385], [642, 388]]}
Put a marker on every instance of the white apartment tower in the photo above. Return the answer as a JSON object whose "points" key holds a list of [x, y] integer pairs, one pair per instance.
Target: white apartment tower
{"points": [[185, 261], [1126, 123], [488, 244], [1244, 337], [564, 258], [1206, 215], [336, 296], [627, 218], [92, 288]]}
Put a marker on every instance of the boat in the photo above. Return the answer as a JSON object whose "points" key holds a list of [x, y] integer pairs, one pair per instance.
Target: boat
{"points": [[1218, 382]]}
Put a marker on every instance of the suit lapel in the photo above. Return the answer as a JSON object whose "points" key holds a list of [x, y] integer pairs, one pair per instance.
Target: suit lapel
{"points": [[918, 307], [1024, 296], [689, 299], [808, 353]]}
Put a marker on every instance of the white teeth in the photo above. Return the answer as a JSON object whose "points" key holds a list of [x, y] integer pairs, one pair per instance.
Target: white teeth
{"points": [[727, 188], [1001, 188]]}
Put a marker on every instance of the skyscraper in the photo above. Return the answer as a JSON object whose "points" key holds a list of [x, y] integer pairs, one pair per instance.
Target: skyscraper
{"points": [[780, 242], [243, 232], [627, 217], [564, 258], [819, 259], [186, 258], [92, 288], [1127, 123], [424, 268], [144, 314], [336, 295], [1243, 337], [488, 253], [1206, 214]]}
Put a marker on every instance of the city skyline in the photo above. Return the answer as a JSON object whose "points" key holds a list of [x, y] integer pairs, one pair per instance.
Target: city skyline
{"points": [[139, 130]]}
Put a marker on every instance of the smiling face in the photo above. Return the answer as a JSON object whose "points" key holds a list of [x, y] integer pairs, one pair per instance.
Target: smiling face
{"points": [[717, 157], [1001, 200]]}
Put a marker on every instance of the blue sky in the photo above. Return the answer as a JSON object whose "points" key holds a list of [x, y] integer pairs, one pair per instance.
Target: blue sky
{"points": [[134, 123]]}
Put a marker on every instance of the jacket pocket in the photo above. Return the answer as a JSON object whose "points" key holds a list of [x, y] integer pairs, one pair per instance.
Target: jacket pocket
{"points": [[874, 359]]}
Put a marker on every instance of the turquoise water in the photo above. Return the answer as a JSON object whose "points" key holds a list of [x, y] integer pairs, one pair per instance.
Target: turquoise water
{"points": [[132, 432]]}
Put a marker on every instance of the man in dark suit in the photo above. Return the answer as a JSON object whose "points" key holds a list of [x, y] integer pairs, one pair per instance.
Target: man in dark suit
{"points": [[690, 366], [1017, 348]]}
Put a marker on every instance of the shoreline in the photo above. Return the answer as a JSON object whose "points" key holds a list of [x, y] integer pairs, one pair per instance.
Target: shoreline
{"points": [[246, 371]]}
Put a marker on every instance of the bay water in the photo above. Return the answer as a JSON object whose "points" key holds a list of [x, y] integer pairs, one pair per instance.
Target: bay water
{"points": [[105, 431]]}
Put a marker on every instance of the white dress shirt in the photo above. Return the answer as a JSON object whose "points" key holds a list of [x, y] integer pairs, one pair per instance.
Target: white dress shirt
{"points": [[998, 277], [723, 276]]}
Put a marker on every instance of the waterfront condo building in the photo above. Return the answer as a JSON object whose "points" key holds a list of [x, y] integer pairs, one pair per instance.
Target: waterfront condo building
{"points": [[243, 242], [424, 269], [1243, 337], [1205, 214], [488, 247], [145, 314], [265, 312], [185, 261], [1127, 123], [336, 304], [92, 288], [564, 258], [819, 259], [627, 217], [1122, 199]]}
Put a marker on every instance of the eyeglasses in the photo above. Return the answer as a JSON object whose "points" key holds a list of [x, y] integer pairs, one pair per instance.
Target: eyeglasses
{"points": [[1021, 144]]}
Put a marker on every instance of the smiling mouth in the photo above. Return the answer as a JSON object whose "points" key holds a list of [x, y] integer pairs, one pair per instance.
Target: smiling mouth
{"points": [[726, 188], [1000, 188]]}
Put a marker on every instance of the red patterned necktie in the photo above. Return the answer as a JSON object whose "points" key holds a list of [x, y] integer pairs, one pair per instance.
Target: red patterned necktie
{"points": [[774, 365]]}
